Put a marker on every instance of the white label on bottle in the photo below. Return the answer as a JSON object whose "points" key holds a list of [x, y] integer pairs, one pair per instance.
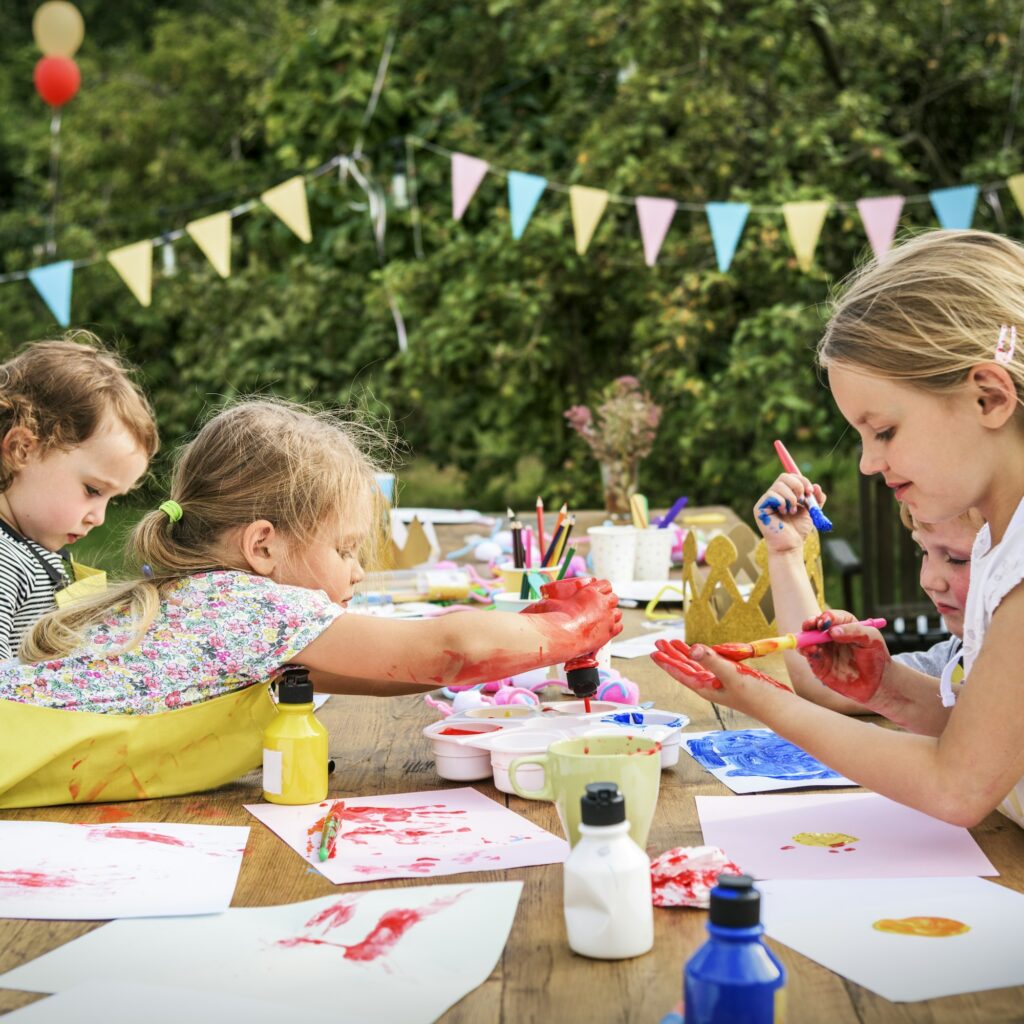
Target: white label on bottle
{"points": [[272, 770]]}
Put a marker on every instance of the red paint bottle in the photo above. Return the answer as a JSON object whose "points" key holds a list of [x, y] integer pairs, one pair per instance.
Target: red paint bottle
{"points": [[581, 673]]}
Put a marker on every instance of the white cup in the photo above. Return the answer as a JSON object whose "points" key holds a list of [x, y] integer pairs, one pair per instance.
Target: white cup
{"points": [[613, 552], [653, 554]]}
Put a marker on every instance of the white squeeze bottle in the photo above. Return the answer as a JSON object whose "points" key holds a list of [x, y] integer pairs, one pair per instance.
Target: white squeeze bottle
{"points": [[608, 909]]}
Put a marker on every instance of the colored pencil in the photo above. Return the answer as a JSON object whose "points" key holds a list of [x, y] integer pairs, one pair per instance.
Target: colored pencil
{"points": [[566, 562], [564, 542], [332, 826], [667, 519], [556, 538], [540, 525]]}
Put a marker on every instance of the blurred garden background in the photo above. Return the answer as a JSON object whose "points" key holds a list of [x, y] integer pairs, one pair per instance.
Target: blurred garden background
{"points": [[192, 107]]}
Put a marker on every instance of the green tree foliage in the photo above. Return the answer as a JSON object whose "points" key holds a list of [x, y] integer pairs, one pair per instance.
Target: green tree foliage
{"points": [[194, 106]]}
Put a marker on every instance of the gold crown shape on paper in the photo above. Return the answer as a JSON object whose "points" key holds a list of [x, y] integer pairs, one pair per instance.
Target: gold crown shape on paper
{"points": [[730, 600]]}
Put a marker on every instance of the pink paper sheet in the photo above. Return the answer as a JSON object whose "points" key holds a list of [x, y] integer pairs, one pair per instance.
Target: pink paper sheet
{"points": [[414, 835], [837, 835]]}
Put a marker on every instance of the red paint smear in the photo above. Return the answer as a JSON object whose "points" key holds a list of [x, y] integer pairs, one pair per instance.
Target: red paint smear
{"points": [[375, 821], [144, 837], [35, 880], [333, 916], [75, 764], [745, 670], [73, 788], [452, 731], [110, 812], [787, 847]]}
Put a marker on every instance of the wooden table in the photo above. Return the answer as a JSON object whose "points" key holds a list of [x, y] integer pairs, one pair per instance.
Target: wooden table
{"points": [[379, 749]]}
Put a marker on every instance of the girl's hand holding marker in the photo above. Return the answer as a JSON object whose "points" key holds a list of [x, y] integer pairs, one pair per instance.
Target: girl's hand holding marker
{"points": [[782, 515], [821, 522]]}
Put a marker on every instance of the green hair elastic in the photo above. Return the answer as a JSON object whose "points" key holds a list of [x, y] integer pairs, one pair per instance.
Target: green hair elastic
{"points": [[173, 510]]}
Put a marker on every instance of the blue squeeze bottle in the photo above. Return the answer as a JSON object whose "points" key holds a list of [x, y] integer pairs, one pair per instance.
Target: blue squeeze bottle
{"points": [[734, 977]]}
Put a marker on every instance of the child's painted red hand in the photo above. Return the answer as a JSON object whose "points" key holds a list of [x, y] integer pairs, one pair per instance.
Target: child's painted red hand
{"points": [[711, 673], [856, 660], [577, 618]]}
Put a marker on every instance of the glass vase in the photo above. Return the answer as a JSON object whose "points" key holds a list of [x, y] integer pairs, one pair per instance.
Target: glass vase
{"points": [[620, 480]]}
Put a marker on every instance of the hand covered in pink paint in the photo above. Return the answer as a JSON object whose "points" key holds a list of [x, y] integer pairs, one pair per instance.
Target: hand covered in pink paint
{"points": [[856, 660], [783, 521], [713, 677], [578, 618]]}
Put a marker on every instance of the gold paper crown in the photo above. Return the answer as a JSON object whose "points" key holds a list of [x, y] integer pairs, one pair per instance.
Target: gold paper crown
{"points": [[715, 608]]}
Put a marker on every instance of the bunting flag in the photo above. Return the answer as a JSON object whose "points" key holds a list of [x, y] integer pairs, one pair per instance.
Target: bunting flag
{"points": [[954, 206], [587, 206], [803, 222], [467, 173], [655, 216], [134, 264], [53, 282], [880, 215], [288, 201], [726, 221], [1016, 183], [213, 235], [523, 192]]}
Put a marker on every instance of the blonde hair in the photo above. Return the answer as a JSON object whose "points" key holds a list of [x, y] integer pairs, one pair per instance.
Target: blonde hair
{"points": [[972, 518], [302, 470], [59, 391], [930, 310]]}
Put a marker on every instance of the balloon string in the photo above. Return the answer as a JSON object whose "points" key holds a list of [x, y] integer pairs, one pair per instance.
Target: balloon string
{"points": [[51, 230]]}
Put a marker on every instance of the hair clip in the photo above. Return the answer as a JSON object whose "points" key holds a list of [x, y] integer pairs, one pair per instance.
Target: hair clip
{"points": [[1006, 344]]}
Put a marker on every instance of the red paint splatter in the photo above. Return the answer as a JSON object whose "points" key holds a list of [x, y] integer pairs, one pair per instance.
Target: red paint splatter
{"points": [[73, 788], [35, 880], [367, 821], [75, 764], [111, 812], [452, 731], [586, 705], [787, 847], [201, 809], [333, 916], [746, 670], [142, 837]]}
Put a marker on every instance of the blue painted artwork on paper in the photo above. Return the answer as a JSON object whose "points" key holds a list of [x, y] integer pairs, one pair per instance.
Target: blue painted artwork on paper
{"points": [[753, 753]]}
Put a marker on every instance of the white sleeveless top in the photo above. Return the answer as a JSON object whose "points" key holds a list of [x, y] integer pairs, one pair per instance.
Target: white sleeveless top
{"points": [[995, 571]]}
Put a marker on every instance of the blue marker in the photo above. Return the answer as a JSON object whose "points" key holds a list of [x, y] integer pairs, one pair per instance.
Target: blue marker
{"points": [[822, 523]]}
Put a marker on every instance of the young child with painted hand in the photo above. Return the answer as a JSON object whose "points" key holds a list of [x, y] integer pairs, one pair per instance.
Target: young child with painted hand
{"points": [[75, 432], [253, 562], [945, 574], [923, 360]]}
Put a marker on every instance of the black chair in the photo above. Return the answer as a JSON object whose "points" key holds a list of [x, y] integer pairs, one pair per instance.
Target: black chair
{"points": [[888, 569]]}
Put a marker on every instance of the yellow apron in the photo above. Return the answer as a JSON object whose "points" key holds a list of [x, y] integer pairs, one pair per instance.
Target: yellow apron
{"points": [[55, 756], [88, 583]]}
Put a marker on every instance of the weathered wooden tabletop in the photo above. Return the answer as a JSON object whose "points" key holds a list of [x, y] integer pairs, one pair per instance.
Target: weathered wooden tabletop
{"points": [[378, 747]]}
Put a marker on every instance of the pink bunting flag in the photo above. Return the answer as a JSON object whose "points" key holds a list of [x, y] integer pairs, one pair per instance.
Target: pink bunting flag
{"points": [[655, 216], [881, 216], [467, 173]]}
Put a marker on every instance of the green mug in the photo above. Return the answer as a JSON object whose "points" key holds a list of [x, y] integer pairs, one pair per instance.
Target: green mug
{"points": [[633, 763]]}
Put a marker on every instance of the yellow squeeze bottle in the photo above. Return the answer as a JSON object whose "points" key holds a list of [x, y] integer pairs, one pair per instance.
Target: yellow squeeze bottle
{"points": [[295, 745]]}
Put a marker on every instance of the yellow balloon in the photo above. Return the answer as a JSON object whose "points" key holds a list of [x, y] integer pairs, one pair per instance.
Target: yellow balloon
{"points": [[58, 28]]}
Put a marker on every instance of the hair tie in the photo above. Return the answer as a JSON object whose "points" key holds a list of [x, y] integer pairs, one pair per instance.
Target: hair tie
{"points": [[1006, 343], [172, 508]]}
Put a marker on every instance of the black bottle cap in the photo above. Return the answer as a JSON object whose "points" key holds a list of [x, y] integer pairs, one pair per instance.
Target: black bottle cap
{"points": [[583, 681], [602, 804], [294, 686], [735, 903]]}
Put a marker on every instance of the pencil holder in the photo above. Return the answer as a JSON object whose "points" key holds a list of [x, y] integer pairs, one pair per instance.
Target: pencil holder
{"points": [[732, 601], [512, 578], [613, 552], [653, 554]]}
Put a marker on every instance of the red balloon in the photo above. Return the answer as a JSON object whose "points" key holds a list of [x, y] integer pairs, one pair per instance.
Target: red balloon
{"points": [[57, 80]]}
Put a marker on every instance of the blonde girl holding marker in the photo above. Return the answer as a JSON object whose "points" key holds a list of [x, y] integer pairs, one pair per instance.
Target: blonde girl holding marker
{"points": [[925, 359], [160, 685]]}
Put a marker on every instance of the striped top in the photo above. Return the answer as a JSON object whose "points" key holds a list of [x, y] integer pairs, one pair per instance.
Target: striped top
{"points": [[26, 589]]}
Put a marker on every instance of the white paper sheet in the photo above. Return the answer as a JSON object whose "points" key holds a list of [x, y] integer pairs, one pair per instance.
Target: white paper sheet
{"points": [[132, 869], [837, 835], [833, 923], [758, 761], [128, 1003], [638, 646], [380, 955], [414, 835]]}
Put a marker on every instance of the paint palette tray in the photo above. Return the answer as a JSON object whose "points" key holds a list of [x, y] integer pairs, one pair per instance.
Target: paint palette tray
{"points": [[664, 726]]}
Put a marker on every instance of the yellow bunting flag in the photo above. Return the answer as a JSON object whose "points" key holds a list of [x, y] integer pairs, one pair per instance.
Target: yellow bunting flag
{"points": [[587, 206], [135, 265], [1016, 183], [803, 222], [213, 235], [288, 201]]}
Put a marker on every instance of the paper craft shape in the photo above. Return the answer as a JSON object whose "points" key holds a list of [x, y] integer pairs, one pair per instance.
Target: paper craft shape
{"points": [[288, 201], [881, 217], [413, 545], [414, 835], [837, 835], [654, 215], [954, 207], [134, 265], [758, 761], [804, 220], [587, 206], [53, 282], [928, 955], [96, 872], [380, 955], [467, 173], [213, 236], [726, 221], [120, 1002]]}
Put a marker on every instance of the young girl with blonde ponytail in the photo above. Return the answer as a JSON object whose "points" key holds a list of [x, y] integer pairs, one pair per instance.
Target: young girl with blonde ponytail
{"points": [[160, 685], [925, 358]]}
